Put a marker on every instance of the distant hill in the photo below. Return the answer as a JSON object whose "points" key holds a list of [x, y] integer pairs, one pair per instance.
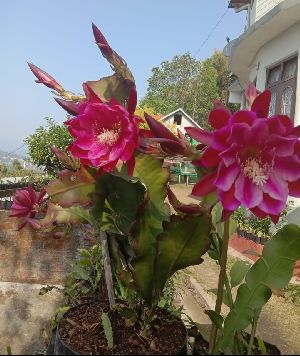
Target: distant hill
{"points": [[7, 159]]}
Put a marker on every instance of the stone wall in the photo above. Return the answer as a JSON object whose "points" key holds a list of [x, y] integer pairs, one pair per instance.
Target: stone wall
{"points": [[241, 245], [29, 256]]}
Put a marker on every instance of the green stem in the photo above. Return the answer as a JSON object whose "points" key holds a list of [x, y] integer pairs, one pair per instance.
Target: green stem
{"points": [[253, 332], [228, 291], [222, 278]]}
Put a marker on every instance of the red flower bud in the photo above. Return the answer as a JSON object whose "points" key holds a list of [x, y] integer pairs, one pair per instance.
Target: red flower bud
{"points": [[68, 105], [101, 42], [168, 141], [46, 79]]}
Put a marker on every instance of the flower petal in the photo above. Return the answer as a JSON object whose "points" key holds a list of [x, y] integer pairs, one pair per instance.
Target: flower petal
{"points": [[276, 188], [210, 158], [206, 185], [294, 188], [271, 206], [247, 192], [280, 125], [229, 156], [199, 135], [287, 168], [261, 104], [283, 145], [228, 199], [227, 176], [243, 116], [219, 117]]}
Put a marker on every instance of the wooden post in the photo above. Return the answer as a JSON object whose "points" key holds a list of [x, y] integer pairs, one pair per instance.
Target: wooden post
{"points": [[107, 269]]}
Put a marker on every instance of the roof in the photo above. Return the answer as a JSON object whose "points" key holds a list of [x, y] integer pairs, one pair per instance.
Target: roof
{"points": [[184, 113], [238, 3]]}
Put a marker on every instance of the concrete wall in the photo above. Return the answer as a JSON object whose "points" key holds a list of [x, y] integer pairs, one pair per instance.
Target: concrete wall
{"points": [[280, 48], [260, 8]]}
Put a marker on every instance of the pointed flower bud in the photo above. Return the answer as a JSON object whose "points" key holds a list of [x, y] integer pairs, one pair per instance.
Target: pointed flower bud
{"points": [[68, 105], [68, 161], [251, 93], [101, 42], [46, 79]]}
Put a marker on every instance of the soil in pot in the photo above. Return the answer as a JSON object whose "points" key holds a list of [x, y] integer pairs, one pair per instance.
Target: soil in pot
{"points": [[81, 330], [201, 347]]}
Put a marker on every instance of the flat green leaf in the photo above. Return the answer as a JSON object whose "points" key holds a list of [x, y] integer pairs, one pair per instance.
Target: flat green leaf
{"points": [[151, 173], [217, 319], [144, 244], [107, 330], [117, 200], [71, 188], [113, 86], [124, 200], [184, 241], [238, 272], [225, 297], [143, 235], [273, 270]]}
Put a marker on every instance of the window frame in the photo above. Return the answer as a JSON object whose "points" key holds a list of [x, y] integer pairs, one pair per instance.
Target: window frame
{"points": [[279, 86]]}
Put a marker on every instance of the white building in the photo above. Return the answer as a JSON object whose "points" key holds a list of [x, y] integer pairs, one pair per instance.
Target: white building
{"points": [[267, 53], [178, 119]]}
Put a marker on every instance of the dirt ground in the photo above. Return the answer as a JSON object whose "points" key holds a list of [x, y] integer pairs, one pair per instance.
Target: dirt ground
{"points": [[280, 319]]}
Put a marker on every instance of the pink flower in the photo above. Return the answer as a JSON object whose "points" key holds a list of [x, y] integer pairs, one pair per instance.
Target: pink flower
{"points": [[105, 133], [252, 160], [26, 204]]}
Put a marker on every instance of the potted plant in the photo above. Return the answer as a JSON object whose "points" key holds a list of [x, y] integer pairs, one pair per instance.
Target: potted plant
{"points": [[115, 180]]}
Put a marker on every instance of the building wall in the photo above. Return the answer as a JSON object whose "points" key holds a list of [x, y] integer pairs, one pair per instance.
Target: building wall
{"points": [[28, 256], [173, 127], [280, 48], [260, 8]]}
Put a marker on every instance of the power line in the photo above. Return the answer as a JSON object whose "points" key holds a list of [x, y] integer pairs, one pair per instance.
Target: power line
{"points": [[211, 32], [17, 149]]}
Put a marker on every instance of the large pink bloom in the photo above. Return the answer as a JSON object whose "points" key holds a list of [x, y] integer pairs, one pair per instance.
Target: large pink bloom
{"points": [[105, 133], [26, 204], [252, 160]]}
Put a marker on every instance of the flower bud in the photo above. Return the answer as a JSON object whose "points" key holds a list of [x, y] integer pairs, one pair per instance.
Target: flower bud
{"points": [[46, 79]]}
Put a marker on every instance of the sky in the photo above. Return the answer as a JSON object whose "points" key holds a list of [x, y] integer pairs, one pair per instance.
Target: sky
{"points": [[56, 36]]}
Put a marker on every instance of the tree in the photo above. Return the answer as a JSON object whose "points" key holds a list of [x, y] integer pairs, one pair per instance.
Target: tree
{"points": [[40, 141], [170, 84], [140, 111], [190, 84]]}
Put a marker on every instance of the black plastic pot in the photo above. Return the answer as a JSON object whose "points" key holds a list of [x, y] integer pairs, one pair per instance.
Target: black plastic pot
{"points": [[271, 349], [61, 348]]}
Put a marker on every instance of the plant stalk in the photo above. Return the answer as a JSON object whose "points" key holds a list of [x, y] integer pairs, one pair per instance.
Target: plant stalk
{"points": [[222, 277], [253, 332], [107, 269]]}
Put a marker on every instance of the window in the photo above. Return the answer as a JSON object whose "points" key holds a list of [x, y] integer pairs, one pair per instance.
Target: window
{"points": [[177, 119], [281, 81]]}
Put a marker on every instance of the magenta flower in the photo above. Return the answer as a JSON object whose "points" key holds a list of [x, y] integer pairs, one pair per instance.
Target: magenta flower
{"points": [[105, 133], [26, 204], [252, 160]]}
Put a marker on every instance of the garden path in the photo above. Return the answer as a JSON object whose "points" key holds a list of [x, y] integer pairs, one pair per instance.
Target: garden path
{"points": [[280, 318]]}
